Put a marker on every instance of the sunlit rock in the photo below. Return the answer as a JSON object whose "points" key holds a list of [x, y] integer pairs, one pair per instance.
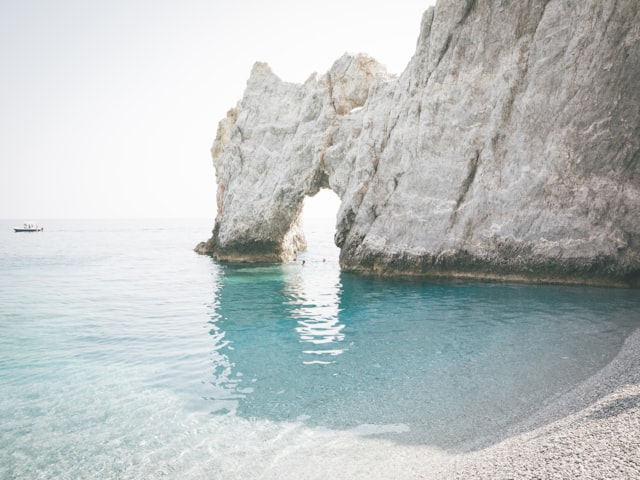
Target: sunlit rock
{"points": [[270, 152], [509, 148]]}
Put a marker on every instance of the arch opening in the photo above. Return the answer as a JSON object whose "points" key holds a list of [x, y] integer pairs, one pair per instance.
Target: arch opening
{"points": [[319, 213]]}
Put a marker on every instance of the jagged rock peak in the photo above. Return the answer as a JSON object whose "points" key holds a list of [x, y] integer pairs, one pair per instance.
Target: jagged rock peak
{"points": [[269, 153], [509, 148]]}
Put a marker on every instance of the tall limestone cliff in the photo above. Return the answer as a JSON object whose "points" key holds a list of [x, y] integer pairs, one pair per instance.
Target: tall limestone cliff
{"points": [[509, 148]]}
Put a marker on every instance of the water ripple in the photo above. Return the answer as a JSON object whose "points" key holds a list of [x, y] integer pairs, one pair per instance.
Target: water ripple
{"points": [[124, 354]]}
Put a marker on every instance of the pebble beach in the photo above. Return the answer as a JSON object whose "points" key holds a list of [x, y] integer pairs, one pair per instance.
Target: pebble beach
{"points": [[591, 432]]}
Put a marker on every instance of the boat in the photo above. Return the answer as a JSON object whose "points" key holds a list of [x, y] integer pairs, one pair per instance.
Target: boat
{"points": [[29, 227]]}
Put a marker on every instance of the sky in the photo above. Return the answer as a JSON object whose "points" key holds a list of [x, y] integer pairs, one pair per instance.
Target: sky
{"points": [[108, 109]]}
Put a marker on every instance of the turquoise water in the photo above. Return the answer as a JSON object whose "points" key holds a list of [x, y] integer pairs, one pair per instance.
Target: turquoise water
{"points": [[123, 354]]}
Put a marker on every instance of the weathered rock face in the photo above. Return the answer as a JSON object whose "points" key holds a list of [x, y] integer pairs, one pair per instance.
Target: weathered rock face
{"points": [[509, 148]]}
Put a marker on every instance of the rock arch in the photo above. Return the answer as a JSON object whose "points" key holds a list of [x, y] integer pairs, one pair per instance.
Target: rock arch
{"points": [[281, 143], [508, 149]]}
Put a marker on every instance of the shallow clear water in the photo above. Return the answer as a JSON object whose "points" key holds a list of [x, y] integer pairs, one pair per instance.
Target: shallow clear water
{"points": [[123, 354]]}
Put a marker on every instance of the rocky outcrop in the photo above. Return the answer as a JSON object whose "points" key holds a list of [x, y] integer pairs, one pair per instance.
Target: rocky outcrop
{"points": [[509, 148]]}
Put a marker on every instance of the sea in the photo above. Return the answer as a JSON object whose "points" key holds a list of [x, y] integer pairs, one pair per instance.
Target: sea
{"points": [[126, 355]]}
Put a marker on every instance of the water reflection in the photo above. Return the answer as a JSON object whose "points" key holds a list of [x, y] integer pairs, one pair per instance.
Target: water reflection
{"points": [[225, 384], [314, 291], [269, 325], [447, 362], [225, 390]]}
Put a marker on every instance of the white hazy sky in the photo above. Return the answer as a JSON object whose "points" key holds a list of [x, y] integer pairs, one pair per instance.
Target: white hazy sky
{"points": [[108, 109]]}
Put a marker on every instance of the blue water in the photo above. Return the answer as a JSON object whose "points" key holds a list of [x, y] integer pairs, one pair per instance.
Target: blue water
{"points": [[123, 354]]}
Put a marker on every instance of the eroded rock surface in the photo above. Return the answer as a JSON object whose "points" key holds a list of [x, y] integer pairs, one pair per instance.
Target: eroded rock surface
{"points": [[509, 148]]}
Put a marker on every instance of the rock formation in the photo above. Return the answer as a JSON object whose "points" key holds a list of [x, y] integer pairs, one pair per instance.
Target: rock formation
{"points": [[509, 148]]}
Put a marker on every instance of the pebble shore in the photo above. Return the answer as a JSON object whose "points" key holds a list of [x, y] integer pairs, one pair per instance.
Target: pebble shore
{"points": [[592, 432]]}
